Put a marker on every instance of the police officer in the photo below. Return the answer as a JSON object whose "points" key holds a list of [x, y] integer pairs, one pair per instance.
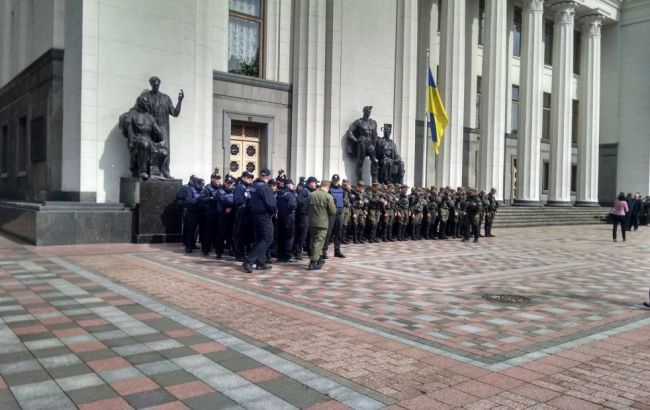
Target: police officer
{"points": [[262, 207], [302, 216], [335, 229], [225, 214], [210, 214], [287, 204], [242, 229], [189, 196]]}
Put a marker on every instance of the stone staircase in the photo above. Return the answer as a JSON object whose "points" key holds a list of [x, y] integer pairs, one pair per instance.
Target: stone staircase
{"points": [[515, 216]]}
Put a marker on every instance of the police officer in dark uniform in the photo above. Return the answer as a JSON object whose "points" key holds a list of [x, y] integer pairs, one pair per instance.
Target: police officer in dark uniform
{"points": [[242, 229], [287, 204], [335, 230], [210, 214], [189, 196], [225, 214], [262, 207]]}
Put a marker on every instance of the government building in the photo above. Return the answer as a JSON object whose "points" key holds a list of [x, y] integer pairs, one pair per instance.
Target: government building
{"points": [[548, 101]]}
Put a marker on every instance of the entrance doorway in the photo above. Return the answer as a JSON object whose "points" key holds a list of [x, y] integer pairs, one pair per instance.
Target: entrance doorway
{"points": [[244, 148]]}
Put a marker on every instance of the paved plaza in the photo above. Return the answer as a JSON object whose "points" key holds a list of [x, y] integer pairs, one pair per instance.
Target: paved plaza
{"points": [[394, 325]]}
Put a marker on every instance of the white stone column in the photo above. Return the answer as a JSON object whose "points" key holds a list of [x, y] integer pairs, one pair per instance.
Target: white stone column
{"points": [[307, 126], [493, 92], [531, 111], [449, 164], [589, 131], [405, 84], [560, 175]]}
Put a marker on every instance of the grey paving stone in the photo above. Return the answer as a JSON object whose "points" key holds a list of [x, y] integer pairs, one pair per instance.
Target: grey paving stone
{"points": [[239, 364], [69, 371], [59, 361], [7, 401], [35, 337], [18, 318], [95, 330], [132, 349], [18, 379], [72, 340], [109, 334], [211, 401], [125, 373], [149, 398], [19, 367], [145, 358], [157, 367], [54, 351], [293, 392], [119, 342], [15, 357], [79, 382], [178, 352], [94, 393], [61, 326], [172, 378], [54, 402], [37, 389], [96, 355], [193, 340], [163, 345], [152, 337], [224, 355], [43, 344], [164, 324]]}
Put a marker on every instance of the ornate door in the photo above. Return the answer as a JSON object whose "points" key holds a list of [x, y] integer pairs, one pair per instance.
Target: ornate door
{"points": [[244, 148]]}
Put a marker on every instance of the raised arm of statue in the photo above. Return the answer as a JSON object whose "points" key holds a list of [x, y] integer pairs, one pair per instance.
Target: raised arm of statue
{"points": [[175, 111]]}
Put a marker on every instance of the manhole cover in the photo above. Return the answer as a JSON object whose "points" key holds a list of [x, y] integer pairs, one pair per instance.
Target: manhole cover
{"points": [[507, 298]]}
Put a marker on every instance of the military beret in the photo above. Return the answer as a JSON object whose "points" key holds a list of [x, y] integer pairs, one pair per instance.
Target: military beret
{"points": [[390, 186], [361, 183], [404, 186], [375, 184], [325, 182], [345, 181]]}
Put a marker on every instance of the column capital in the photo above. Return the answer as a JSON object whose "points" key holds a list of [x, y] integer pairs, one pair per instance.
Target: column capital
{"points": [[534, 5], [564, 12], [591, 24]]}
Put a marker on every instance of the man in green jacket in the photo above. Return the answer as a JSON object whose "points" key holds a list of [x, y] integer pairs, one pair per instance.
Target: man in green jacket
{"points": [[321, 205]]}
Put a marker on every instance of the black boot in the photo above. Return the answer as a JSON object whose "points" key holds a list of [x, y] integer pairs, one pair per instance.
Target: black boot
{"points": [[313, 266], [360, 233], [373, 233]]}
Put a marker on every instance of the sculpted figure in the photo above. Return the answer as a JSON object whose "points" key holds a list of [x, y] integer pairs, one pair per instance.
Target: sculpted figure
{"points": [[391, 166], [362, 137], [146, 142], [161, 106]]}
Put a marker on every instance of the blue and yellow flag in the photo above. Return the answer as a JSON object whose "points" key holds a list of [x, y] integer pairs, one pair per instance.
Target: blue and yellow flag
{"points": [[436, 114]]}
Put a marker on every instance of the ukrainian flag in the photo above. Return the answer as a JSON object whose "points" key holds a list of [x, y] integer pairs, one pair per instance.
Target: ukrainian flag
{"points": [[436, 114]]}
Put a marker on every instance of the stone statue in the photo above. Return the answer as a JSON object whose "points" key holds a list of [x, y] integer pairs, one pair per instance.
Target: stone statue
{"points": [[146, 128], [161, 105], [361, 138], [391, 166], [146, 142]]}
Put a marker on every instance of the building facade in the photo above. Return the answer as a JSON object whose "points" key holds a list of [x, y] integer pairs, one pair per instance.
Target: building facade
{"points": [[547, 100]]}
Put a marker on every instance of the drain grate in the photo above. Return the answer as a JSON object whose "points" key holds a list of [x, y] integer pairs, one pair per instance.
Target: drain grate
{"points": [[505, 298]]}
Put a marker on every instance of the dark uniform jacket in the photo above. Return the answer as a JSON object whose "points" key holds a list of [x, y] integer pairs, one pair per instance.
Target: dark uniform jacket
{"points": [[262, 199]]}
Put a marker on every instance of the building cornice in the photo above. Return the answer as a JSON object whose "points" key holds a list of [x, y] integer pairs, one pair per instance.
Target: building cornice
{"points": [[252, 81]]}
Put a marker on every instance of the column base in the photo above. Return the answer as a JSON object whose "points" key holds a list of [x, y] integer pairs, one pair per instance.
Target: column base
{"points": [[526, 202], [586, 203], [559, 203]]}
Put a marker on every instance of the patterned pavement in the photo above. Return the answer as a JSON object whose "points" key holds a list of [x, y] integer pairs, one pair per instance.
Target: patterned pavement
{"points": [[401, 325]]}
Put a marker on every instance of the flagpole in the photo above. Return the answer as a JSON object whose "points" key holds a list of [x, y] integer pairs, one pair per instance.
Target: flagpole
{"points": [[426, 82]]}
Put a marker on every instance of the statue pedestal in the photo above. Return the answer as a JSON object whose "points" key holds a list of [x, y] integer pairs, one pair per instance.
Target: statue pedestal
{"points": [[156, 217]]}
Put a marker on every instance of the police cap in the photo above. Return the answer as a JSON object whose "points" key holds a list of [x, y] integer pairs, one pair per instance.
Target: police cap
{"points": [[265, 172], [247, 174], [312, 179], [336, 177]]}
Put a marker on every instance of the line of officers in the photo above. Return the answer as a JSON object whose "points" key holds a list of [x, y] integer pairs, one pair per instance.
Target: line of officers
{"points": [[254, 220]]}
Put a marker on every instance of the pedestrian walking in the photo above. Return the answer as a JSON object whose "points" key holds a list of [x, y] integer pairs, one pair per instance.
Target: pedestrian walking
{"points": [[618, 213], [321, 206]]}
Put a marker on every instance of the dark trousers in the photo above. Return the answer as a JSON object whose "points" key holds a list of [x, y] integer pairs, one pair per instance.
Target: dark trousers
{"points": [[242, 233], [335, 230], [190, 223], [302, 227], [263, 228], [471, 226], [224, 232], [634, 222], [618, 219], [286, 235], [209, 233]]}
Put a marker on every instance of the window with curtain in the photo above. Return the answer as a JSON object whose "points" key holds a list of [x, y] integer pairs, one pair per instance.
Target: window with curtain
{"points": [[514, 123], [245, 37], [548, 42], [546, 117], [516, 33]]}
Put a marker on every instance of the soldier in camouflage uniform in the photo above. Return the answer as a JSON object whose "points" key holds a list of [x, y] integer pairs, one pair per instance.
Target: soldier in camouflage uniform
{"points": [[484, 201], [432, 214], [472, 207], [417, 210], [404, 212], [347, 210], [490, 212], [459, 226], [390, 209], [374, 211], [359, 201], [443, 213], [451, 206]]}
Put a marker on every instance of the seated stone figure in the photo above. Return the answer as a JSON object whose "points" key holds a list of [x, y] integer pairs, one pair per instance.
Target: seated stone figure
{"points": [[146, 142]]}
